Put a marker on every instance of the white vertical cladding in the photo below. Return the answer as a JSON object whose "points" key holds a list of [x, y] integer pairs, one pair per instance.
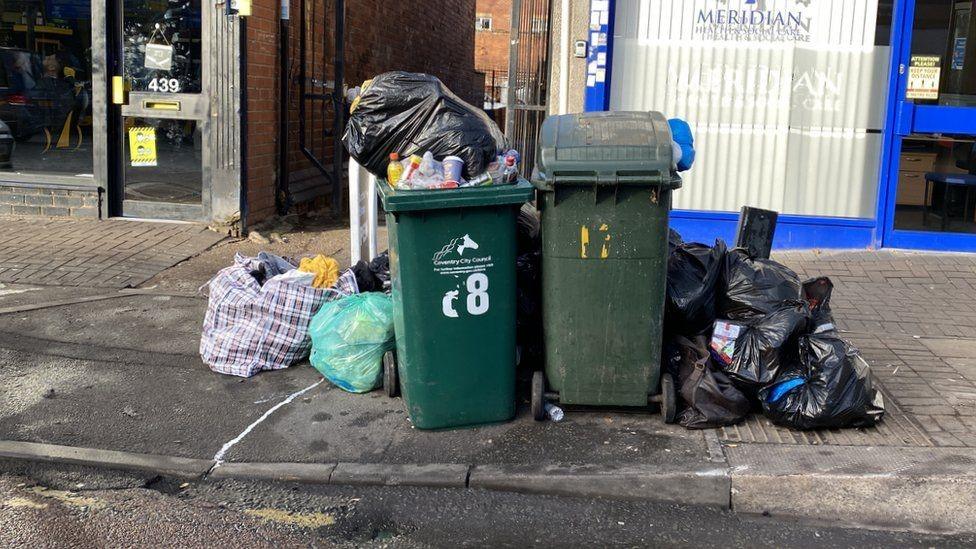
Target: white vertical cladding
{"points": [[780, 124]]}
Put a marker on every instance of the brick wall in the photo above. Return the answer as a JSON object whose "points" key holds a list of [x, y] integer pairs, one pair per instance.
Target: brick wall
{"points": [[49, 201], [412, 35], [491, 47], [262, 100]]}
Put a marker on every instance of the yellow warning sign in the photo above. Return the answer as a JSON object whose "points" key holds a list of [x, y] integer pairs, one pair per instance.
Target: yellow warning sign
{"points": [[142, 146], [923, 77]]}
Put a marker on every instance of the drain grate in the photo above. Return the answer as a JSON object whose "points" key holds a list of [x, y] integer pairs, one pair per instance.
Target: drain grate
{"points": [[897, 429]]}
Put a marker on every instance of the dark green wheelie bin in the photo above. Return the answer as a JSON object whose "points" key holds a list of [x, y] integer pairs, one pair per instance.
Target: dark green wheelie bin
{"points": [[452, 261], [605, 184]]}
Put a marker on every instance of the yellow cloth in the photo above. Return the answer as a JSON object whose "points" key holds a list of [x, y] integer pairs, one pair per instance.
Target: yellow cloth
{"points": [[326, 270]]}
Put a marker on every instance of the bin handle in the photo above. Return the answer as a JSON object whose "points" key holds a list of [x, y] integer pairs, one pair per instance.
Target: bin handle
{"points": [[620, 179]]}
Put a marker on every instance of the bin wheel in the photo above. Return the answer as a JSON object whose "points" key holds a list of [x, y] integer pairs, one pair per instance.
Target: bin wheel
{"points": [[669, 400], [538, 396], [391, 378]]}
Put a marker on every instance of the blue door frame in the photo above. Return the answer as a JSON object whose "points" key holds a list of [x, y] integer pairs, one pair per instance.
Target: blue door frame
{"points": [[798, 231], [905, 118]]}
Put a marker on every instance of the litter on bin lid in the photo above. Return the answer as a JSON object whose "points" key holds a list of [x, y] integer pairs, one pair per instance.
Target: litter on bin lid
{"points": [[424, 173], [412, 113]]}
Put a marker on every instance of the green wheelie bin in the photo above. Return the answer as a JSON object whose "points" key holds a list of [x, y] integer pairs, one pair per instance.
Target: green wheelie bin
{"points": [[605, 183], [452, 262]]}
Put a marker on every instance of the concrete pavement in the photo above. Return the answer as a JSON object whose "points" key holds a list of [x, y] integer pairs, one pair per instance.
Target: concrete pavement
{"points": [[122, 374]]}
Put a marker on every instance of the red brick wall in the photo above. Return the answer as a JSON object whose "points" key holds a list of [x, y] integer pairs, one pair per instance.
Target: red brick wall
{"points": [[413, 35], [491, 47], [262, 70]]}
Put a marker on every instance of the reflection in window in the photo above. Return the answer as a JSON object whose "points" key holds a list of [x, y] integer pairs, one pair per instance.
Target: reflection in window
{"points": [[943, 29], [936, 184], [45, 86], [162, 46], [163, 160]]}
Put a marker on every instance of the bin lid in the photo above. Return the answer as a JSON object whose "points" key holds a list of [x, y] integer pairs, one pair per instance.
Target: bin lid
{"points": [[605, 148], [440, 199]]}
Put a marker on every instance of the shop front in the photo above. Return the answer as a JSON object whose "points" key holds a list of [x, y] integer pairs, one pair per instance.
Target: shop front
{"points": [[855, 120], [124, 108]]}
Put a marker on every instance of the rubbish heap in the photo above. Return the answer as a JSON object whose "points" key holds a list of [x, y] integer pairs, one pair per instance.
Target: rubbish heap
{"points": [[452, 193], [269, 312], [743, 333]]}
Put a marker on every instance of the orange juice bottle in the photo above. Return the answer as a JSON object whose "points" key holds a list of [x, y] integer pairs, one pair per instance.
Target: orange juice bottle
{"points": [[394, 170]]}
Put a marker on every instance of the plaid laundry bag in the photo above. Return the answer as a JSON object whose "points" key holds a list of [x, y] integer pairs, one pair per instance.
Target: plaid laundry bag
{"points": [[250, 326]]}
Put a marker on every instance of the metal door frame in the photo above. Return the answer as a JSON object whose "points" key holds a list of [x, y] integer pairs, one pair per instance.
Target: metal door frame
{"points": [[905, 117], [193, 106], [529, 64]]}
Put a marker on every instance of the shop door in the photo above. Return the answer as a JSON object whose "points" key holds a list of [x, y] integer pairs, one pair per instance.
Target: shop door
{"points": [[931, 201], [161, 109]]}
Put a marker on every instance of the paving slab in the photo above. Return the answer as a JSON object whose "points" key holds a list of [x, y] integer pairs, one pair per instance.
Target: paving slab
{"points": [[919, 489], [110, 253]]}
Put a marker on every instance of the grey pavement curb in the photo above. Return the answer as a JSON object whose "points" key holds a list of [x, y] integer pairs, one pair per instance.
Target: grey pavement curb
{"points": [[434, 475], [105, 459], [710, 487], [901, 488], [308, 473], [60, 303], [703, 487]]}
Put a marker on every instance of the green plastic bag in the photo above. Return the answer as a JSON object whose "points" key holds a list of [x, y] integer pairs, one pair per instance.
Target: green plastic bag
{"points": [[349, 337]]}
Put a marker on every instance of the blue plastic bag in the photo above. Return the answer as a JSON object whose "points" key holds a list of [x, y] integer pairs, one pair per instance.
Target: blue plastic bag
{"points": [[349, 337]]}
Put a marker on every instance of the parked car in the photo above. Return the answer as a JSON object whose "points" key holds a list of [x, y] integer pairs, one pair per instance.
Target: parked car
{"points": [[6, 146]]}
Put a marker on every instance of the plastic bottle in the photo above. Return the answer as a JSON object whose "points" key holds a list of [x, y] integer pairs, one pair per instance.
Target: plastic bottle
{"points": [[554, 412], [510, 174], [414, 165], [394, 171]]}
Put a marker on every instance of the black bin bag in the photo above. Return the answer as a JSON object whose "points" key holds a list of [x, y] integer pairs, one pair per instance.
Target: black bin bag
{"points": [[816, 292], [766, 345], [412, 113], [694, 271], [753, 287], [711, 398], [829, 387]]}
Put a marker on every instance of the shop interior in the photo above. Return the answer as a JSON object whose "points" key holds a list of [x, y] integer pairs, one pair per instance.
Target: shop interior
{"points": [[46, 87], [937, 173]]}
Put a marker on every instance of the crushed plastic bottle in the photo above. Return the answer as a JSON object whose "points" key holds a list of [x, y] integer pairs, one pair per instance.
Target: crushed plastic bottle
{"points": [[554, 412]]}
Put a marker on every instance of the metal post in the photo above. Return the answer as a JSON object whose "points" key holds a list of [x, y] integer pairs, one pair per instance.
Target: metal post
{"points": [[282, 193], [338, 101], [513, 53]]}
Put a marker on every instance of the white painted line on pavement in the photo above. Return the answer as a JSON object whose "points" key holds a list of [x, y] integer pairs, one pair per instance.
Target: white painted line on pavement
{"points": [[219, 456]]}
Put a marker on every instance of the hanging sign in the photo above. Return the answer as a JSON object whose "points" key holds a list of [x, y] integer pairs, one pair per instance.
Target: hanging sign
{"points": [[924, 72], [142, 146], [159, 55]]}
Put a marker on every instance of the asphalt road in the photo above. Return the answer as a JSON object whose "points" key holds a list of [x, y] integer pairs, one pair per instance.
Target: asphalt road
{"points": [[53, 509]]}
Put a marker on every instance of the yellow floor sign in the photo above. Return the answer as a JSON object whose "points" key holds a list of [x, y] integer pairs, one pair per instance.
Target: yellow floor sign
{"points": [[142, 146]]}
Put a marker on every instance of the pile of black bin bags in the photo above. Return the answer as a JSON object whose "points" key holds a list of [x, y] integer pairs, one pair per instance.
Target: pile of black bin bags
{"points": [[742, 334]]}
